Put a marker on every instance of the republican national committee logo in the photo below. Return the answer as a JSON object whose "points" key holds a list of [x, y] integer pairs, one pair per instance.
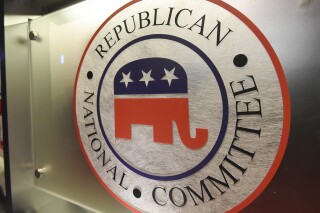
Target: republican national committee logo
{"points": [[165, 77], [181, 106]]}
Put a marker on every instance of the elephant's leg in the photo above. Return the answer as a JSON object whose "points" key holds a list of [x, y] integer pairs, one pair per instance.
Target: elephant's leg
{"points": [[162, 131], [122, 119], [183, 124]]}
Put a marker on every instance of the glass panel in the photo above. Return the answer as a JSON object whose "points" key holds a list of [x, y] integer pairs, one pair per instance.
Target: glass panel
{"points": [[25, 197], [54, 59]]}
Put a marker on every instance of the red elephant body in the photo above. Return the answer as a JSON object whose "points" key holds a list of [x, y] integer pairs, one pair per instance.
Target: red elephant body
{"points": [[160, 113]]}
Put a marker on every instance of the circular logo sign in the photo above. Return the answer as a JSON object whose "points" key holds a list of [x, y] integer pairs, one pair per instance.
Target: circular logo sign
{"points": [[181, 106]]}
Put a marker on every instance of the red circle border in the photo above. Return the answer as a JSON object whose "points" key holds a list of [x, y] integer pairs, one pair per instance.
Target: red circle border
{"points": [[284, 92]]}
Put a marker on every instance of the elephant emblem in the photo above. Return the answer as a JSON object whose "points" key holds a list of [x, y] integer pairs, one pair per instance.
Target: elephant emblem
{"points": [[146, 94]]}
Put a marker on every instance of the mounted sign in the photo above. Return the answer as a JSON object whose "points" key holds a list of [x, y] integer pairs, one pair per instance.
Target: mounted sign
{"points": [[181, 106]]}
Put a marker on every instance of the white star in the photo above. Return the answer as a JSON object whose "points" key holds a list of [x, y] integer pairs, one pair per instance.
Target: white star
{"points": [[146, 77], [126, 79], [169, 75]]}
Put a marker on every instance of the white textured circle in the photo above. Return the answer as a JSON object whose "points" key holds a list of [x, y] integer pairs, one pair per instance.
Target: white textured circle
{"points": [[186, 110]]}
